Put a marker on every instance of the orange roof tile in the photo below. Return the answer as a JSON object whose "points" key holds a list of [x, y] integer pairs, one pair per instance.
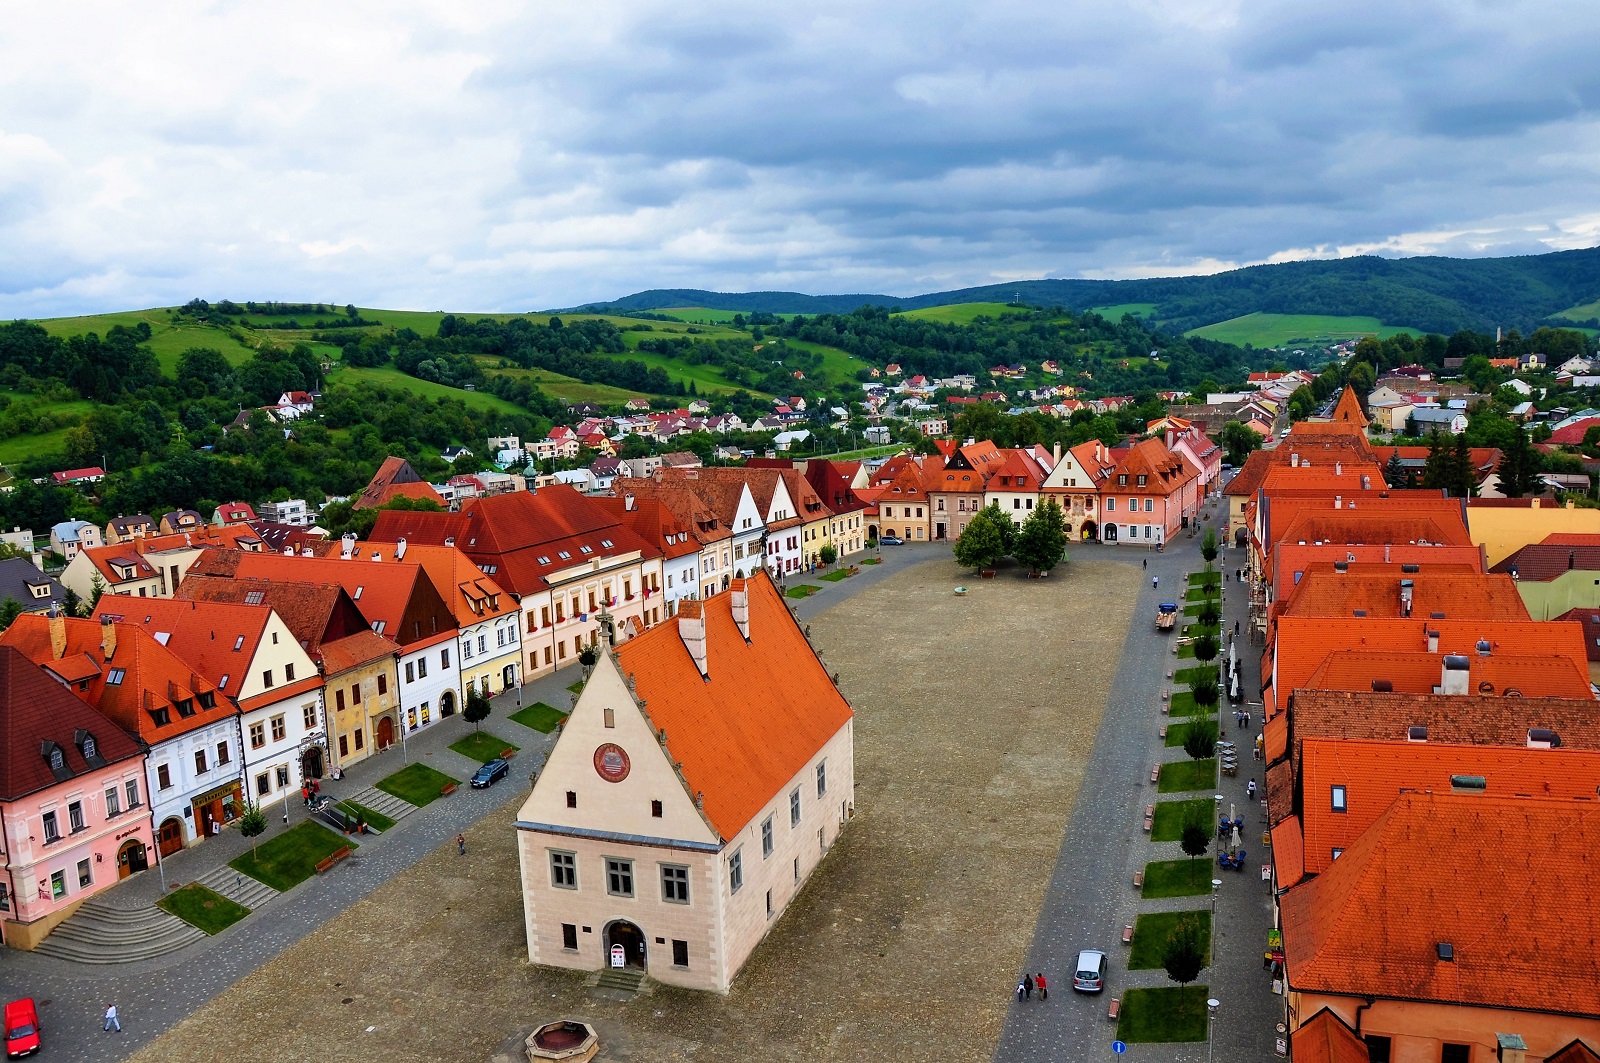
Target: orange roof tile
{"points": [[393, 471], [1327, 1039], [1348, 410], [471, 595], [765, 711], [1545, 676], [1288, 853], [200, 634], [1373, 774], [1164, 471], [1509, 883], [1380, 591], [36, 708], [1291, 558]]}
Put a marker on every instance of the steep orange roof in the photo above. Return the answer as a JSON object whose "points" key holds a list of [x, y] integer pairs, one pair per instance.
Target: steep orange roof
{"points": [[34, 709], [1162, 470], [1339, 477], [1373, 774], [1576, 1052], [393, 471], [1290, 559], [653, 521], [1508, 883], [1348, 410], [766, 709], [1326, 1039], [200, 634], [1303, 643], [1382, 590], [1288, 852], [414, 490], [1249, 478], [472, 595], [141, 685], [1018, 471]]}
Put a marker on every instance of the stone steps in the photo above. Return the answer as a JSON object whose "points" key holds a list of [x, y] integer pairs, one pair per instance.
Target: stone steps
{"points": [[101, 934], [378, 801], [237, 887], [621, 979]]}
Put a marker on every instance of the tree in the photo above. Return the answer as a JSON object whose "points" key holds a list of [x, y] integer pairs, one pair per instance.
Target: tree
{"points": [[1208, 544], [1519, 467], [1204, 688], [1042, 542], [252, 824], [71, 604], [476, 710], [1436, 470], [1184, 956], [981, 543], [828, 555], [1208, 616], [1239, 442], [1463, 478], [1196, 835], [97, 587], [1200, 739], [1394, 473], [1205, 648], [10, 609]]}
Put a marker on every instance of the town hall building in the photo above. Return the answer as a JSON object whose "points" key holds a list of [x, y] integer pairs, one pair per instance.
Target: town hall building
{"points": [[704, 772]]}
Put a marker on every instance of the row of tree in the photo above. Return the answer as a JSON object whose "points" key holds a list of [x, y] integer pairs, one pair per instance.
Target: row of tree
{"points": [[1039, 543]]}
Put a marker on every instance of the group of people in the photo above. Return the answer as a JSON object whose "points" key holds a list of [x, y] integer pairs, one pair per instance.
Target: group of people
{"points": [[1241, 717], [1029, 983]]}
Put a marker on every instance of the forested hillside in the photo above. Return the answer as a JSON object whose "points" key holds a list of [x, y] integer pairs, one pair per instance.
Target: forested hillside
{"points": [[1431, 294]]}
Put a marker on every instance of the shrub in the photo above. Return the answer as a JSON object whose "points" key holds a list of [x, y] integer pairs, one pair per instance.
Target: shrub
{"points": [[1200, 742], [1184, 957], [1205, 648]]}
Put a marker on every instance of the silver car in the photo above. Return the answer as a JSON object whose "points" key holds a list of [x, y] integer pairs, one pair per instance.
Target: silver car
{"points": [[1090, 974]]}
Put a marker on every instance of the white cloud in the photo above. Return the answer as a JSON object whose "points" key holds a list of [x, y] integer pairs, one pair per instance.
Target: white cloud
{"points": [[497, 156]]}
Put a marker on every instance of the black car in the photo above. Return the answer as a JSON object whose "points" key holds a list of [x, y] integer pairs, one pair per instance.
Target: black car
{"points": [[490, 773]]}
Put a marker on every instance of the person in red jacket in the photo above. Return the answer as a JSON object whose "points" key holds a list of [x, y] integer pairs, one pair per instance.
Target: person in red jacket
{"points": [[1043, 986]]}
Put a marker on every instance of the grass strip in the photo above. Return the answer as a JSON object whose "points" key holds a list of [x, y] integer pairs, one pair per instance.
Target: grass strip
{"points": [[291, 857], [835, 577], [1177, 732], [374, 819], [416, 783], [1177, 878], [803, 590], [1171, 816], [1170, 1013], [1183, 775], [203, 908], [1150, 934], [481, 746], [539, 716]]}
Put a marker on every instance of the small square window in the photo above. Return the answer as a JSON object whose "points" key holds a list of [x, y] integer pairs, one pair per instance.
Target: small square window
{"points": [[569, 936], [674, 884], [680, 953], [619, 878], [572, 799], [655, 809], [564, 871], [1339, 804]]}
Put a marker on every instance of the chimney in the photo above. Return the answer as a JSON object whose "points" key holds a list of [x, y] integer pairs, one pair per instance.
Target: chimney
{"points": [[108, 637], [1366, 483], [376, 556], [1338, 468], [1057, 459], [741, 607], [1543, 738], [306, 551], [58, 633], [1571, 557], [628, 502], [347, 545], [692, 630], [1338, 501], [400, 549], [288, 551], [1455, 675], [1433, 642]]}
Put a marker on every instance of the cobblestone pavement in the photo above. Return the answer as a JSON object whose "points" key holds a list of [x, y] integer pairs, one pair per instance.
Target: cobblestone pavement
{"points": [[974, 720], [154, 995], [1091, 896]]}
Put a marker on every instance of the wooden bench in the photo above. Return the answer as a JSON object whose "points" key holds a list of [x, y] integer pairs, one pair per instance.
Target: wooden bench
{"points": [[1138, 880], [1163, 730], [1127, 934], [1155, 773], [332, 858], [1149, 817], [1114, 1010], [507, 753], [447, 789]]}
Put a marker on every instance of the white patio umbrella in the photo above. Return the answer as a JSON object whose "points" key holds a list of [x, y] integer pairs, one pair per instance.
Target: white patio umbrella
{"points": [[1234, 843]]}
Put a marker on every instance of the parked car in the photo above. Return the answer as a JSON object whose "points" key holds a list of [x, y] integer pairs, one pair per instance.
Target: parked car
{"points": [[1090, 974], [490, 773], [22, 1028], [890, 540]]}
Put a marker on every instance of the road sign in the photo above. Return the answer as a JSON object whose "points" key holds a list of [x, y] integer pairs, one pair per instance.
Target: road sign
{"points": [[1118, 1047]]}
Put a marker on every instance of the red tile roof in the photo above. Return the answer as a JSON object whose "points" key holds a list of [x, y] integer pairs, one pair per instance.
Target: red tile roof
{"points": [[767, 708], [393, 471], [1543, 562], [152, 679], [1164, 472], [653, 522], [1378, 590], [1373, 774], [1572, 434], [1576, 1052], [1546, 676], [471, 594], [1508, 883], [1327, 1039], [34, 709], [1348, 410], [1290, 558], [315, 613]]}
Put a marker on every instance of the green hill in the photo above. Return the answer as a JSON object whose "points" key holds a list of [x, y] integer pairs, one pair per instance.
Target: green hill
{"points": [[1278, 330], [1429, 293]]}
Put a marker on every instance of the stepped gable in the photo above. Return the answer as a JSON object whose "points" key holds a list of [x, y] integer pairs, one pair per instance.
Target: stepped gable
{"points": [[1439, 868], [34, 709], [760, 712]]}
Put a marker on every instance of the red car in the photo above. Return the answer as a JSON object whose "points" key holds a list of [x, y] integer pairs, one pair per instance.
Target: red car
{"points": [[22, 1028]]}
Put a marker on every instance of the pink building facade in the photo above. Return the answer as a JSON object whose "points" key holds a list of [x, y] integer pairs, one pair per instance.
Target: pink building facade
{"points": [[75, 816]]}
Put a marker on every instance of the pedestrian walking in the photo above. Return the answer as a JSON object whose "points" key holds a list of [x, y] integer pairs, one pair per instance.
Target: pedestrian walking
{"points": [[1146, 563], [1155, 581], [461, 844], [1251, 790], [1022, 990], [1247, 719], [111, 1020], [1044, 987], [1236, 627], [1027, 985]]}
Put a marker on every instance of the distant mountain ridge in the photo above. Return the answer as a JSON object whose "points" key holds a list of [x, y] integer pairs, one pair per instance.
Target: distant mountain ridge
{"points": [[1431, 293]]}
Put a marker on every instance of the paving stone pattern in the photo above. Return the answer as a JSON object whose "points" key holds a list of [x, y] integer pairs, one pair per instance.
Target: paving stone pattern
{"points": [[1091, 896]]}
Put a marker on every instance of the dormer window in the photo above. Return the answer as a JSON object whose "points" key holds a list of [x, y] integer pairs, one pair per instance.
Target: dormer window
{"points": [[185, 707], [238, 644], [56, 757], [1141, 479], [39, 590], [115, 676], [1122, 479]]}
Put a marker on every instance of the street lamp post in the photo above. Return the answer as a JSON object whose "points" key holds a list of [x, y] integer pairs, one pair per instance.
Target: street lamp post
{"points": [[1211, 1016]]}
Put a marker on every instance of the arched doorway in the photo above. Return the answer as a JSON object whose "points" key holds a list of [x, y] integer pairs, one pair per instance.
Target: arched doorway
{"points": [[1089, 529], [872, 531], [508, 677], [311, 763], [1241, 537], [447, 703], [630, 938], [131, 858], [1111, 533], [169, 839], [385, 732]]}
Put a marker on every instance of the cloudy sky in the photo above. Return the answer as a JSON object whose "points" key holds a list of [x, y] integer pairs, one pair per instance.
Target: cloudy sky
{"points": [[501, 156]]}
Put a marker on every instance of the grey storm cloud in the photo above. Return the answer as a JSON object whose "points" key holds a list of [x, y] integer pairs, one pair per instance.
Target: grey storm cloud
{"points": [[506, 156]]}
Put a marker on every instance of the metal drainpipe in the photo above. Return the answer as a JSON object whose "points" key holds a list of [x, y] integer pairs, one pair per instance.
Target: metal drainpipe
{"points": [[1369, 1002], [11, 884]]}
